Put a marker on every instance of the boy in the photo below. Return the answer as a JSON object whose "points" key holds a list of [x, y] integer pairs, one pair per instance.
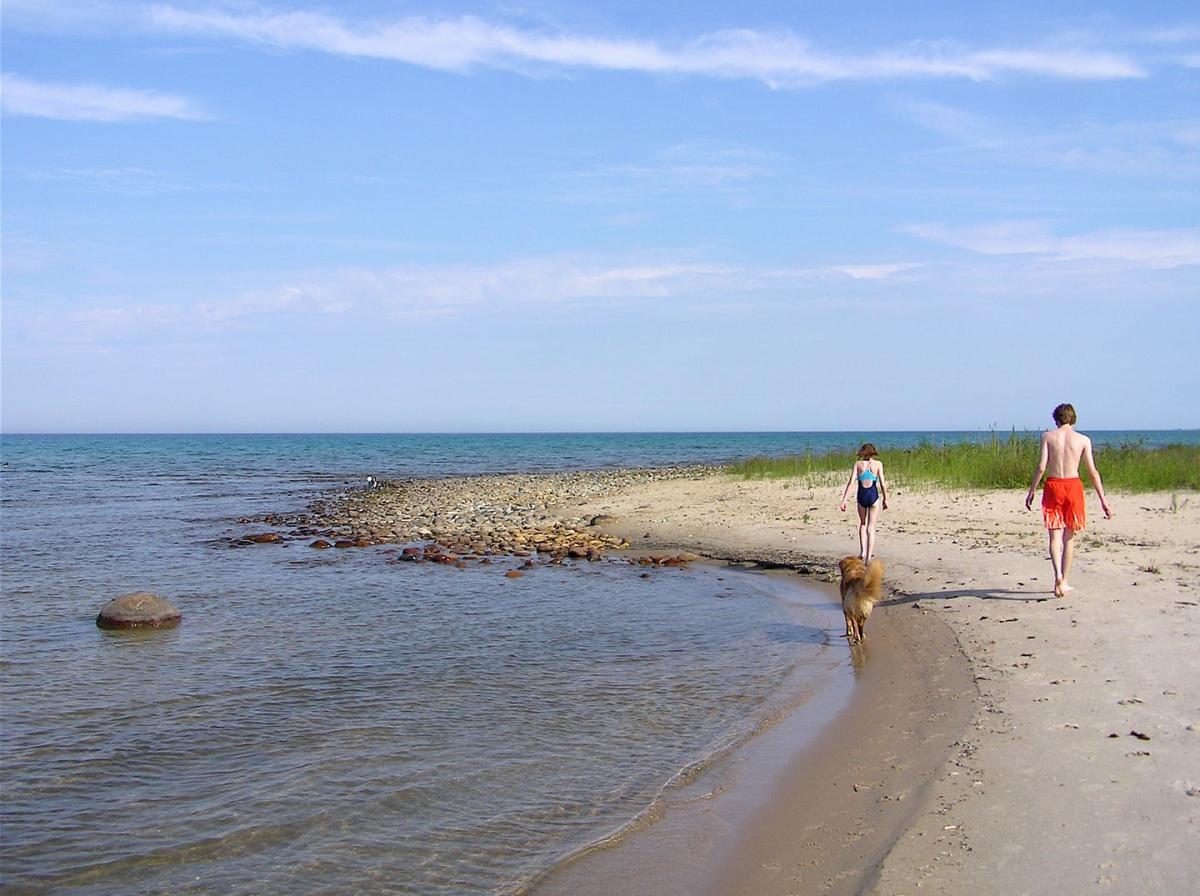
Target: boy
{"points": [[1062, 497]]}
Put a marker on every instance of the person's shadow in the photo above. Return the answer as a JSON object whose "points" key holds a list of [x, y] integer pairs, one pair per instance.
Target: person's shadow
{"points": [[1023, 596]]}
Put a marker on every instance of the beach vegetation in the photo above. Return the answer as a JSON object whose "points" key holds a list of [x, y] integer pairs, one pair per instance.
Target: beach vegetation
{"points": [[1003, 461]]}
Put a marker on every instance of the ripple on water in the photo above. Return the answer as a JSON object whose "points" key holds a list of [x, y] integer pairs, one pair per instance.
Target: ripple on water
{"points": [[440, 732]]}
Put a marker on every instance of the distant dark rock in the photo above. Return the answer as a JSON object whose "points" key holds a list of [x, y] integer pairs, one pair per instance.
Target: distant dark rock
{"points": [[320, 544], [602, 518], [138, 610], [265, 538]]}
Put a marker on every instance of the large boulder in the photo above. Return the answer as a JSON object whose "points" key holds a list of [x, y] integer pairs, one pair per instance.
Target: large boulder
{"points": [[138, 610]]}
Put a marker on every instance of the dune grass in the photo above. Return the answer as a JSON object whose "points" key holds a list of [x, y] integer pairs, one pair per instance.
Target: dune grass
{"points": [[1002, 462]]}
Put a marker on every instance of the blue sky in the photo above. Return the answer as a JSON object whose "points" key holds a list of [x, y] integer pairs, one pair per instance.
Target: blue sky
{"points": [[232, 216]]}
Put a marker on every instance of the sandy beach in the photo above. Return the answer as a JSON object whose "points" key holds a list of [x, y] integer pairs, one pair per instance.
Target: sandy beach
{"points": [[1065, 759]]}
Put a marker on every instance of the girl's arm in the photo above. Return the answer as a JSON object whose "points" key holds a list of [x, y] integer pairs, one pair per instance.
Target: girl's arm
{"points": [[882, 486], [846, 491]]}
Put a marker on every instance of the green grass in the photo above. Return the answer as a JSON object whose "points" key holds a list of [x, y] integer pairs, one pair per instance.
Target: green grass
{"points": [[1002, 462]]}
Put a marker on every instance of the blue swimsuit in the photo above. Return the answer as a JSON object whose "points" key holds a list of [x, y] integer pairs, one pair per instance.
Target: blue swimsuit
{"points": [[868, 488]]}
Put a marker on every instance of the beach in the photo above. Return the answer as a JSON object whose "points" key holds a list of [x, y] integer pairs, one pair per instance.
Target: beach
{"points": [[1077, 766], [701, 705]]}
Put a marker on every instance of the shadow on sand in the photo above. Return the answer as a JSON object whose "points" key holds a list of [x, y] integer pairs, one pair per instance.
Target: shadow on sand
{"points": [[983, 593]]}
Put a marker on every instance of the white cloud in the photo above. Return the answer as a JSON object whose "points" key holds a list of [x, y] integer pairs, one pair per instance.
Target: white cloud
{"points": [[1164, 148], [421, 291], [91, 102], [1139, 248], [685, 167], [780, 59], [875, 271], [128, 180]]}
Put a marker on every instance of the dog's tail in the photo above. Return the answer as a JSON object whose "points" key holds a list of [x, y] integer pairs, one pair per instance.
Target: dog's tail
{"points": [[873, 583]]}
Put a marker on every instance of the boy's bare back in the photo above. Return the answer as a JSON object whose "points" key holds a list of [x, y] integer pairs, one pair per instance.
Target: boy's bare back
{"points": [[1063, 449]]}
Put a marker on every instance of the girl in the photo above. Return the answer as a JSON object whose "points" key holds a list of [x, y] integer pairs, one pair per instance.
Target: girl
{"points": [[868, 473]]}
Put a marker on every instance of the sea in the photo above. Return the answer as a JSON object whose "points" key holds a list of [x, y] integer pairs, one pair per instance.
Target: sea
{"points": [[330, 722]]}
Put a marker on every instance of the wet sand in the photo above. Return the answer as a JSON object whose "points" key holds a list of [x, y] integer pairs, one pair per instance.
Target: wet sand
{"points": [[814, 803], [1002, 741]]}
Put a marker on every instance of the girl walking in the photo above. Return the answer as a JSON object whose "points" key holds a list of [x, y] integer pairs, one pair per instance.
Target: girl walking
{"points": [[872, 495]]}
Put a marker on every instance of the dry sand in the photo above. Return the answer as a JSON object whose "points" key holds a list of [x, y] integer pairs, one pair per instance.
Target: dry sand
{"points": [[1026, 790]]}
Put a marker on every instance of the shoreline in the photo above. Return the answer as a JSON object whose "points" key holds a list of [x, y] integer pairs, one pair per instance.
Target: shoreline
{"points": [[809, 807], [1067, 691], [474, 517], [1061, 697]]}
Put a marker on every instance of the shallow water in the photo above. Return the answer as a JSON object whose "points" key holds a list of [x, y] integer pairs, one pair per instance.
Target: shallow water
{"points": [[325, 722]]}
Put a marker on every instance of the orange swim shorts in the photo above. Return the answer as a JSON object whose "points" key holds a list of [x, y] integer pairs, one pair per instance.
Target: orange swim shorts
{"points": [[1063, 504]]}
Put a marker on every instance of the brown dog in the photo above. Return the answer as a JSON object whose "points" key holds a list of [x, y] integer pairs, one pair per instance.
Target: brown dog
{"points": [[862, 588]]}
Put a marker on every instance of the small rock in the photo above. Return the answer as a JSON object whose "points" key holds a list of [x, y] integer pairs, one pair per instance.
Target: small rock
{"points": [[320, 544]]}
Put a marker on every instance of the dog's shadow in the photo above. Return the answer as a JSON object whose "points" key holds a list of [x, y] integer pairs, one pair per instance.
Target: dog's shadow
{"points": [[900, 600]]}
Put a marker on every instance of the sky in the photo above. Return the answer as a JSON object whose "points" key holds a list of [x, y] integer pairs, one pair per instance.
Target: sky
{"points": [[622, 216]]}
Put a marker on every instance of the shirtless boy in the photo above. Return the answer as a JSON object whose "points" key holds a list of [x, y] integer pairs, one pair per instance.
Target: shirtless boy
{"points": [[1062, 497]]}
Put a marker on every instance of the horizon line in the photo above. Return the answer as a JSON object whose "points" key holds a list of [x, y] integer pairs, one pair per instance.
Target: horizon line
{"points": [[564, 432]]}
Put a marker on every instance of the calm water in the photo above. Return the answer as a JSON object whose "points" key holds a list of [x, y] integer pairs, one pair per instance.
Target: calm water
{"points": [[330, 723]]}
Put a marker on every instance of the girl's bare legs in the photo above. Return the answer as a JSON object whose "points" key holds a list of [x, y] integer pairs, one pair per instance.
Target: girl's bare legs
{"points": [[872, 517], [863, 531]]}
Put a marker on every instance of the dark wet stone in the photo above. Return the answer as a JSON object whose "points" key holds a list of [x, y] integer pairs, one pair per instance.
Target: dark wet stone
{"points": [[265, 538], [343, 543], [320, 544], [137, 610]]}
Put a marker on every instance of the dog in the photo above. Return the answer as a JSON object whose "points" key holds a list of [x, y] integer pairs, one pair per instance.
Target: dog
{"points": [[862, 588]]}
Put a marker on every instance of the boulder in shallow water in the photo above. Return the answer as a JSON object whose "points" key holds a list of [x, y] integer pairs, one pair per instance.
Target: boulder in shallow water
{"points": [[138, 610]]}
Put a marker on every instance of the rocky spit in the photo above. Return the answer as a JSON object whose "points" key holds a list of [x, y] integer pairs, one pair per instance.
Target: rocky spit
{"points": [[457, 519]]}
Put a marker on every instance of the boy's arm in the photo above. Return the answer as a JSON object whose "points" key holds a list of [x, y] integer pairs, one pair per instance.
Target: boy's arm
{"points": [[1037, 474], [1095, 474]]}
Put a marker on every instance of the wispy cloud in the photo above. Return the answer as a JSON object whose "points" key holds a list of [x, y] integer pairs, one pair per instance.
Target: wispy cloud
{"points": [[1155, 148], [433, 291], [700, 166], [1139, 248], [92, 102], [777, 58], [128, 180]]}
